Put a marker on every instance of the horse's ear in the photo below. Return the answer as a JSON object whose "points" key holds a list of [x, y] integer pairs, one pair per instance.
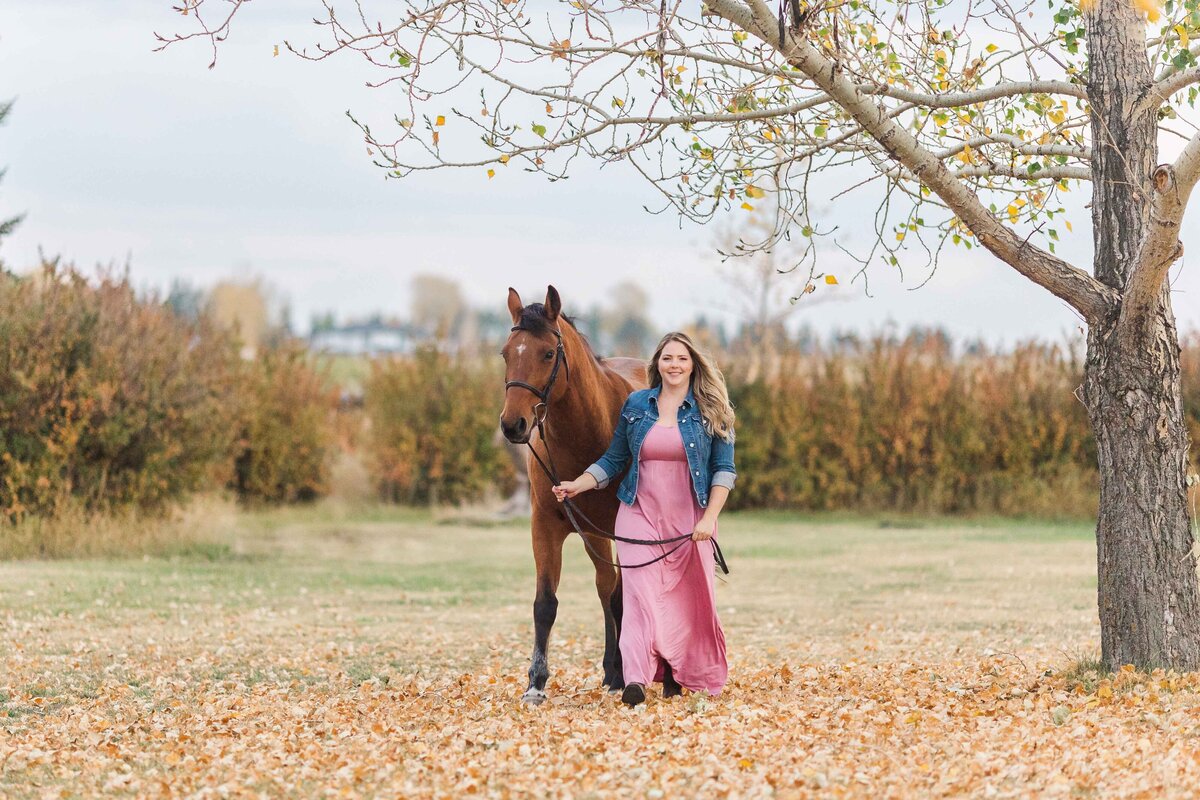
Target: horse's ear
{"points": [[553, 304], [515, 306]]}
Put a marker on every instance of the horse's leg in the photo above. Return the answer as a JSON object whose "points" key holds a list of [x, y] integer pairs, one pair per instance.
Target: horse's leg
{"points": [[608, 587], [547, 556]]}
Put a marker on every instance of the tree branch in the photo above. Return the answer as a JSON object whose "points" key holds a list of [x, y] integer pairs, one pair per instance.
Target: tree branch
{"points": [[1005, 171], [1019, 146], [953, 99], [1086, 294], [1161, 248], [1162, 90], [1170, 70]]}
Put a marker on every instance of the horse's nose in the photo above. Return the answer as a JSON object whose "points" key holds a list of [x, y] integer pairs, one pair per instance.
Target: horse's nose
{"points": [[515, 431]]}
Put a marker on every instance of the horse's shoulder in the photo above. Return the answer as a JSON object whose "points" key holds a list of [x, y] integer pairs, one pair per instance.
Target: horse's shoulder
{"points": [[632, 370]]}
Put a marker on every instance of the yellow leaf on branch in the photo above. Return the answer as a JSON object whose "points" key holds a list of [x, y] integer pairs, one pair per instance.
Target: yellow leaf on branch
{"points": [[1150, 8], [754, 191]]}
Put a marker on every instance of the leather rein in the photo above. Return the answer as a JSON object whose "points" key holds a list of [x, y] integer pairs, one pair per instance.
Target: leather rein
{"points": [[572, 510]]}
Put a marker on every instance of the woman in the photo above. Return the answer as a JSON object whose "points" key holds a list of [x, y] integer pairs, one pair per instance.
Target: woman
{"points": [[677, 440]]}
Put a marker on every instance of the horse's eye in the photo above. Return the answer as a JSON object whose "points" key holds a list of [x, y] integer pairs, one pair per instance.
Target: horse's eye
{"points": [[549, 355]]}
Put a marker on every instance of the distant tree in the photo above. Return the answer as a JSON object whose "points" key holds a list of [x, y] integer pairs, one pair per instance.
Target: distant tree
{"points": [[241, 307], [7, 226], [957, 124], [437, 306], [322, 322], [626, 320], [186, 300]]}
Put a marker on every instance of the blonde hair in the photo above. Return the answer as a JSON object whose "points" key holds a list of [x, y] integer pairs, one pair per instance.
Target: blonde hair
{"points": [[708, 385]]}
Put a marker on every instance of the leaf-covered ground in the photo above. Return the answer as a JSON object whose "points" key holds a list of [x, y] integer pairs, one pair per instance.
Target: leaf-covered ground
{"points": [[382, 654]]}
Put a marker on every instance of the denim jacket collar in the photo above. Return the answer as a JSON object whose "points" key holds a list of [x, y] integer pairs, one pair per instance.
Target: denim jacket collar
{"points": [[709, 458], [688, 402]]}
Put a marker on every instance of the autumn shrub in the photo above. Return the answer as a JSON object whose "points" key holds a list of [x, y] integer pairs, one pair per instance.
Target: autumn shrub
{"points": [[106, 401], [433, 419], [287, 428], [907, 425], [884, 424]]}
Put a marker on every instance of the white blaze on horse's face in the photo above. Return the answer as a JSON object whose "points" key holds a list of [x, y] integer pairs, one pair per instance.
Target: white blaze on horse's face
{"points": [[519, 415]]}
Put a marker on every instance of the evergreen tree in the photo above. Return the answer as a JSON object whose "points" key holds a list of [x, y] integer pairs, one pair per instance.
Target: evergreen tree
{"points": [[7, 226]]}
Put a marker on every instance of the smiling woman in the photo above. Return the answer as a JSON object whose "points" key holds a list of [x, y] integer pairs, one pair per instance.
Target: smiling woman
{"points": [[676, 439]]}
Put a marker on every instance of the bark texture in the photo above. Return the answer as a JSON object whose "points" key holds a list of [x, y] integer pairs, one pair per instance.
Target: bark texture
{"points": [[1146, 568], [1149, 598]]}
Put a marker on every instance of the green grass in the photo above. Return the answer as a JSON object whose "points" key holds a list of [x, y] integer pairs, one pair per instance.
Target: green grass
{"points": [[396, 591]]}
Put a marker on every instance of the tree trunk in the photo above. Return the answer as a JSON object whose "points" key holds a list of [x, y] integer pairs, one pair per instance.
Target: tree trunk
{"points": [[1147, 586], [1146, 572]]}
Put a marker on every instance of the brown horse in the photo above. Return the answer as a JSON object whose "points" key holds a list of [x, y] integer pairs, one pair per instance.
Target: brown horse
{"points": [[552, 374]]}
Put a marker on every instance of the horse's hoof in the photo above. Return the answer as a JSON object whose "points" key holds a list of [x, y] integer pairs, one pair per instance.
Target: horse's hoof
{"points": [[533, 697]]}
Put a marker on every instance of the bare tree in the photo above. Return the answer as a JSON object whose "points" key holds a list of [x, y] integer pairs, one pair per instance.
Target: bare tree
{"points": [[762, 289], [437, 305], [626, 322], [968, 120]]}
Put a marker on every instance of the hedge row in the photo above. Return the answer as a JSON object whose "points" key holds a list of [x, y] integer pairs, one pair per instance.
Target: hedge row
{"points": [[874, 425], [433, 421], [109, 401]]}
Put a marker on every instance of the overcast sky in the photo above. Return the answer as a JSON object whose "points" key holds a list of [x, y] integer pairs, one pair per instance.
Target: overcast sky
{"points": [[117, 153]]}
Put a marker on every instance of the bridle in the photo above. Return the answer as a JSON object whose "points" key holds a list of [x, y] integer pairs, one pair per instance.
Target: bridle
{"points": [[543, 395], [569, 506]]}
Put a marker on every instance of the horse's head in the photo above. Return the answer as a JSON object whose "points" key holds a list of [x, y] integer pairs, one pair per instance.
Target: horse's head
{"points": [[535, 364]]}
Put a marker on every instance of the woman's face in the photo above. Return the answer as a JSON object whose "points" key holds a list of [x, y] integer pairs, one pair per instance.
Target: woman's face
{"points": [[675, 365]]}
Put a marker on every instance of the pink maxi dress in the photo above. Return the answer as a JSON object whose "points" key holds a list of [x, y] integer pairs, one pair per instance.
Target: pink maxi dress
{"points": [[670, 612]]}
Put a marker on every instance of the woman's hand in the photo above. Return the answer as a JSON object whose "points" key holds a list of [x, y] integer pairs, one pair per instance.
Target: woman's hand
{"points": [[704, 530], [572, 488]]}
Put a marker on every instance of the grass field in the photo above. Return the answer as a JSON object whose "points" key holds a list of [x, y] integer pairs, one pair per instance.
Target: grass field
{"points": [[382, 653]]}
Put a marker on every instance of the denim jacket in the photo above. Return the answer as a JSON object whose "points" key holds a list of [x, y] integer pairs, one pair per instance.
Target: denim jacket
{"points": [[710, 458]]}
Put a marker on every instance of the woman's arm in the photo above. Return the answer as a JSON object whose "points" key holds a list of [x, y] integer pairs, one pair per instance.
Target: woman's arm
{"points": [[583, 483], [616, 458], [708, 521], [721, 469], [722, 474]]}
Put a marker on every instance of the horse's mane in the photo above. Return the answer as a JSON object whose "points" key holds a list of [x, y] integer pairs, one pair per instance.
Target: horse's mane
{"points": [[533, 319]]}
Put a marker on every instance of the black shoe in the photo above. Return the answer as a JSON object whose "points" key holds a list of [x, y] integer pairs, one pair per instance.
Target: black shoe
{"points": [[671, 687], [634, 694]]}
